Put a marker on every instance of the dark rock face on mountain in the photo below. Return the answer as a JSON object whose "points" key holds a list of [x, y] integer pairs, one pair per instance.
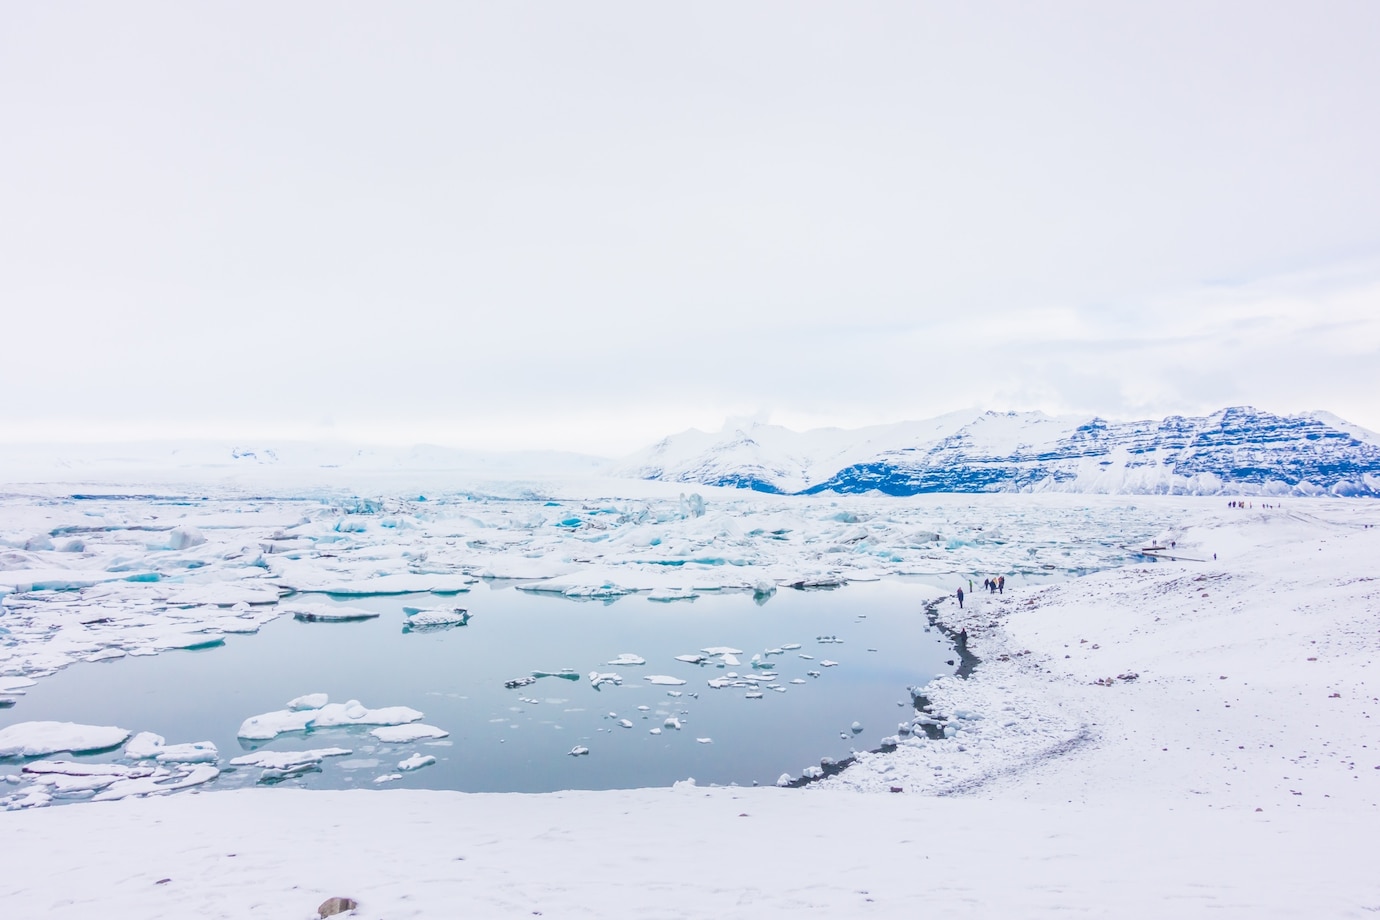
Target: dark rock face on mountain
{"points": [[1235, 451]]}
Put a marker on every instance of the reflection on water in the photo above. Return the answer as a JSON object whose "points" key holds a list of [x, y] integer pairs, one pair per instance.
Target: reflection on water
{"points": [[520, 739]]}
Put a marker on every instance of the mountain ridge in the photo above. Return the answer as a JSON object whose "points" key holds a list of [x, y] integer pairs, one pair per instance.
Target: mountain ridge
{"points": [[1236, 450]]}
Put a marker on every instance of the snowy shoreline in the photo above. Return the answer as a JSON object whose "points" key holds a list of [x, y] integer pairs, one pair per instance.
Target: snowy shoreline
{"points": [[1236, 774]]}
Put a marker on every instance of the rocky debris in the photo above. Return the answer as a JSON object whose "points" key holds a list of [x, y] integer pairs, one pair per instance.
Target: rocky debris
{"points": [[332, 906]]}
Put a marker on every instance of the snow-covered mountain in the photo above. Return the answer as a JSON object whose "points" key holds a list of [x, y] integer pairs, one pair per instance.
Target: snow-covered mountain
{"points": [[1240, 450]]}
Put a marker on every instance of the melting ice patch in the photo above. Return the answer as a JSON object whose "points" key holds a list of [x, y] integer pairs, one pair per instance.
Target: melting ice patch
{"points": [[327, 613], [405, 734]]}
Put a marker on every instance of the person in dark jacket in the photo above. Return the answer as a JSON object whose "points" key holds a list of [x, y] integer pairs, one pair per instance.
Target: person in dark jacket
{"points": [[960, 598]]}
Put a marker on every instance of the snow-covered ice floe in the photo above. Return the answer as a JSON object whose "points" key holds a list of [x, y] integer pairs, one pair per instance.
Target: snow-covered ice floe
{"points": [[405, 734], [38, 739], [416, 762], [331, 715]]}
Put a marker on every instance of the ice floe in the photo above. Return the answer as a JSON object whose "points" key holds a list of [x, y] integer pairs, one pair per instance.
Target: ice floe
{"points": [[287, 760], [332, 715], [420, 618], [327, 613], [664, 680], [416, 762], [405, 734], [37, 739]]}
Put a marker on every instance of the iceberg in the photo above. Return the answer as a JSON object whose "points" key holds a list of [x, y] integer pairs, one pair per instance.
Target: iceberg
{"points": [[416, 762]]}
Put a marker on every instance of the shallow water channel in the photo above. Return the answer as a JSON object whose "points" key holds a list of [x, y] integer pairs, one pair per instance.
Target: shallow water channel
{"points": [[518, 740]]}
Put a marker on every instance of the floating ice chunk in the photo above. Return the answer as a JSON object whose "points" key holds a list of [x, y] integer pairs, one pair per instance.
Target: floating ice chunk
{"points": [[333, 715], [828, 640], [326, 613], [704, 740], [379, 585], [721, 650], [826, 663], [435, 618], [36, 739], [812, 772], [595, 679], [32, 798], [797, 680], [643, 708], [730, 660], [753, 695], [405, 734], [784, 779], [192, 752], [416, 762], [856, 727], [664, 680], [221, 595], [692, 659], [287, 760], [627, 659], [578, 751], [625, 723], [387, 778], [15, 686], [807, 657], [191, 642], [774, 651], [563, 674], [72, 768], [308, 701], [144, 746], [272, 724], [151, 785], [667, 595], [517, 682], [791, 646], [672, 722], [812, 673], [654, 731]]}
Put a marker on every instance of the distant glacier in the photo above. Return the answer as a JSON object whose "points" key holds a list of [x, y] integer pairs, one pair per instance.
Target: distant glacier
{"points": [[1235, 451]]}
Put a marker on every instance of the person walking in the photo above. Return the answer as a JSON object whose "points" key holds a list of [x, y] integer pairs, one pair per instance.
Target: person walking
{"points": [[960, 598], [1001, 584]]}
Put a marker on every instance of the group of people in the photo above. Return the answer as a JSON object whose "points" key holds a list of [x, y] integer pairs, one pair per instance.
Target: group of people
{"points": [[990, 585]]}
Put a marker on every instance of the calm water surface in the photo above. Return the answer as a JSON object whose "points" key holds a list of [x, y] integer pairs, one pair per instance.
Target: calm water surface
{"points": [[519, 740]]}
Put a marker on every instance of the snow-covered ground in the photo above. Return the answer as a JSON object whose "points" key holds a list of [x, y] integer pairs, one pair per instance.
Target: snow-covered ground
{"points": [[1190, 737]]}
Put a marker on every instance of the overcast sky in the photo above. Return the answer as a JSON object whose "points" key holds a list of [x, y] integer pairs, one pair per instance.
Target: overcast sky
{"points": [[588, 225]]}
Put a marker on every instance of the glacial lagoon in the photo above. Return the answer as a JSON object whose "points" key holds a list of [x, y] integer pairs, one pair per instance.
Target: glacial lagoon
{"points": [[846, 656]]}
